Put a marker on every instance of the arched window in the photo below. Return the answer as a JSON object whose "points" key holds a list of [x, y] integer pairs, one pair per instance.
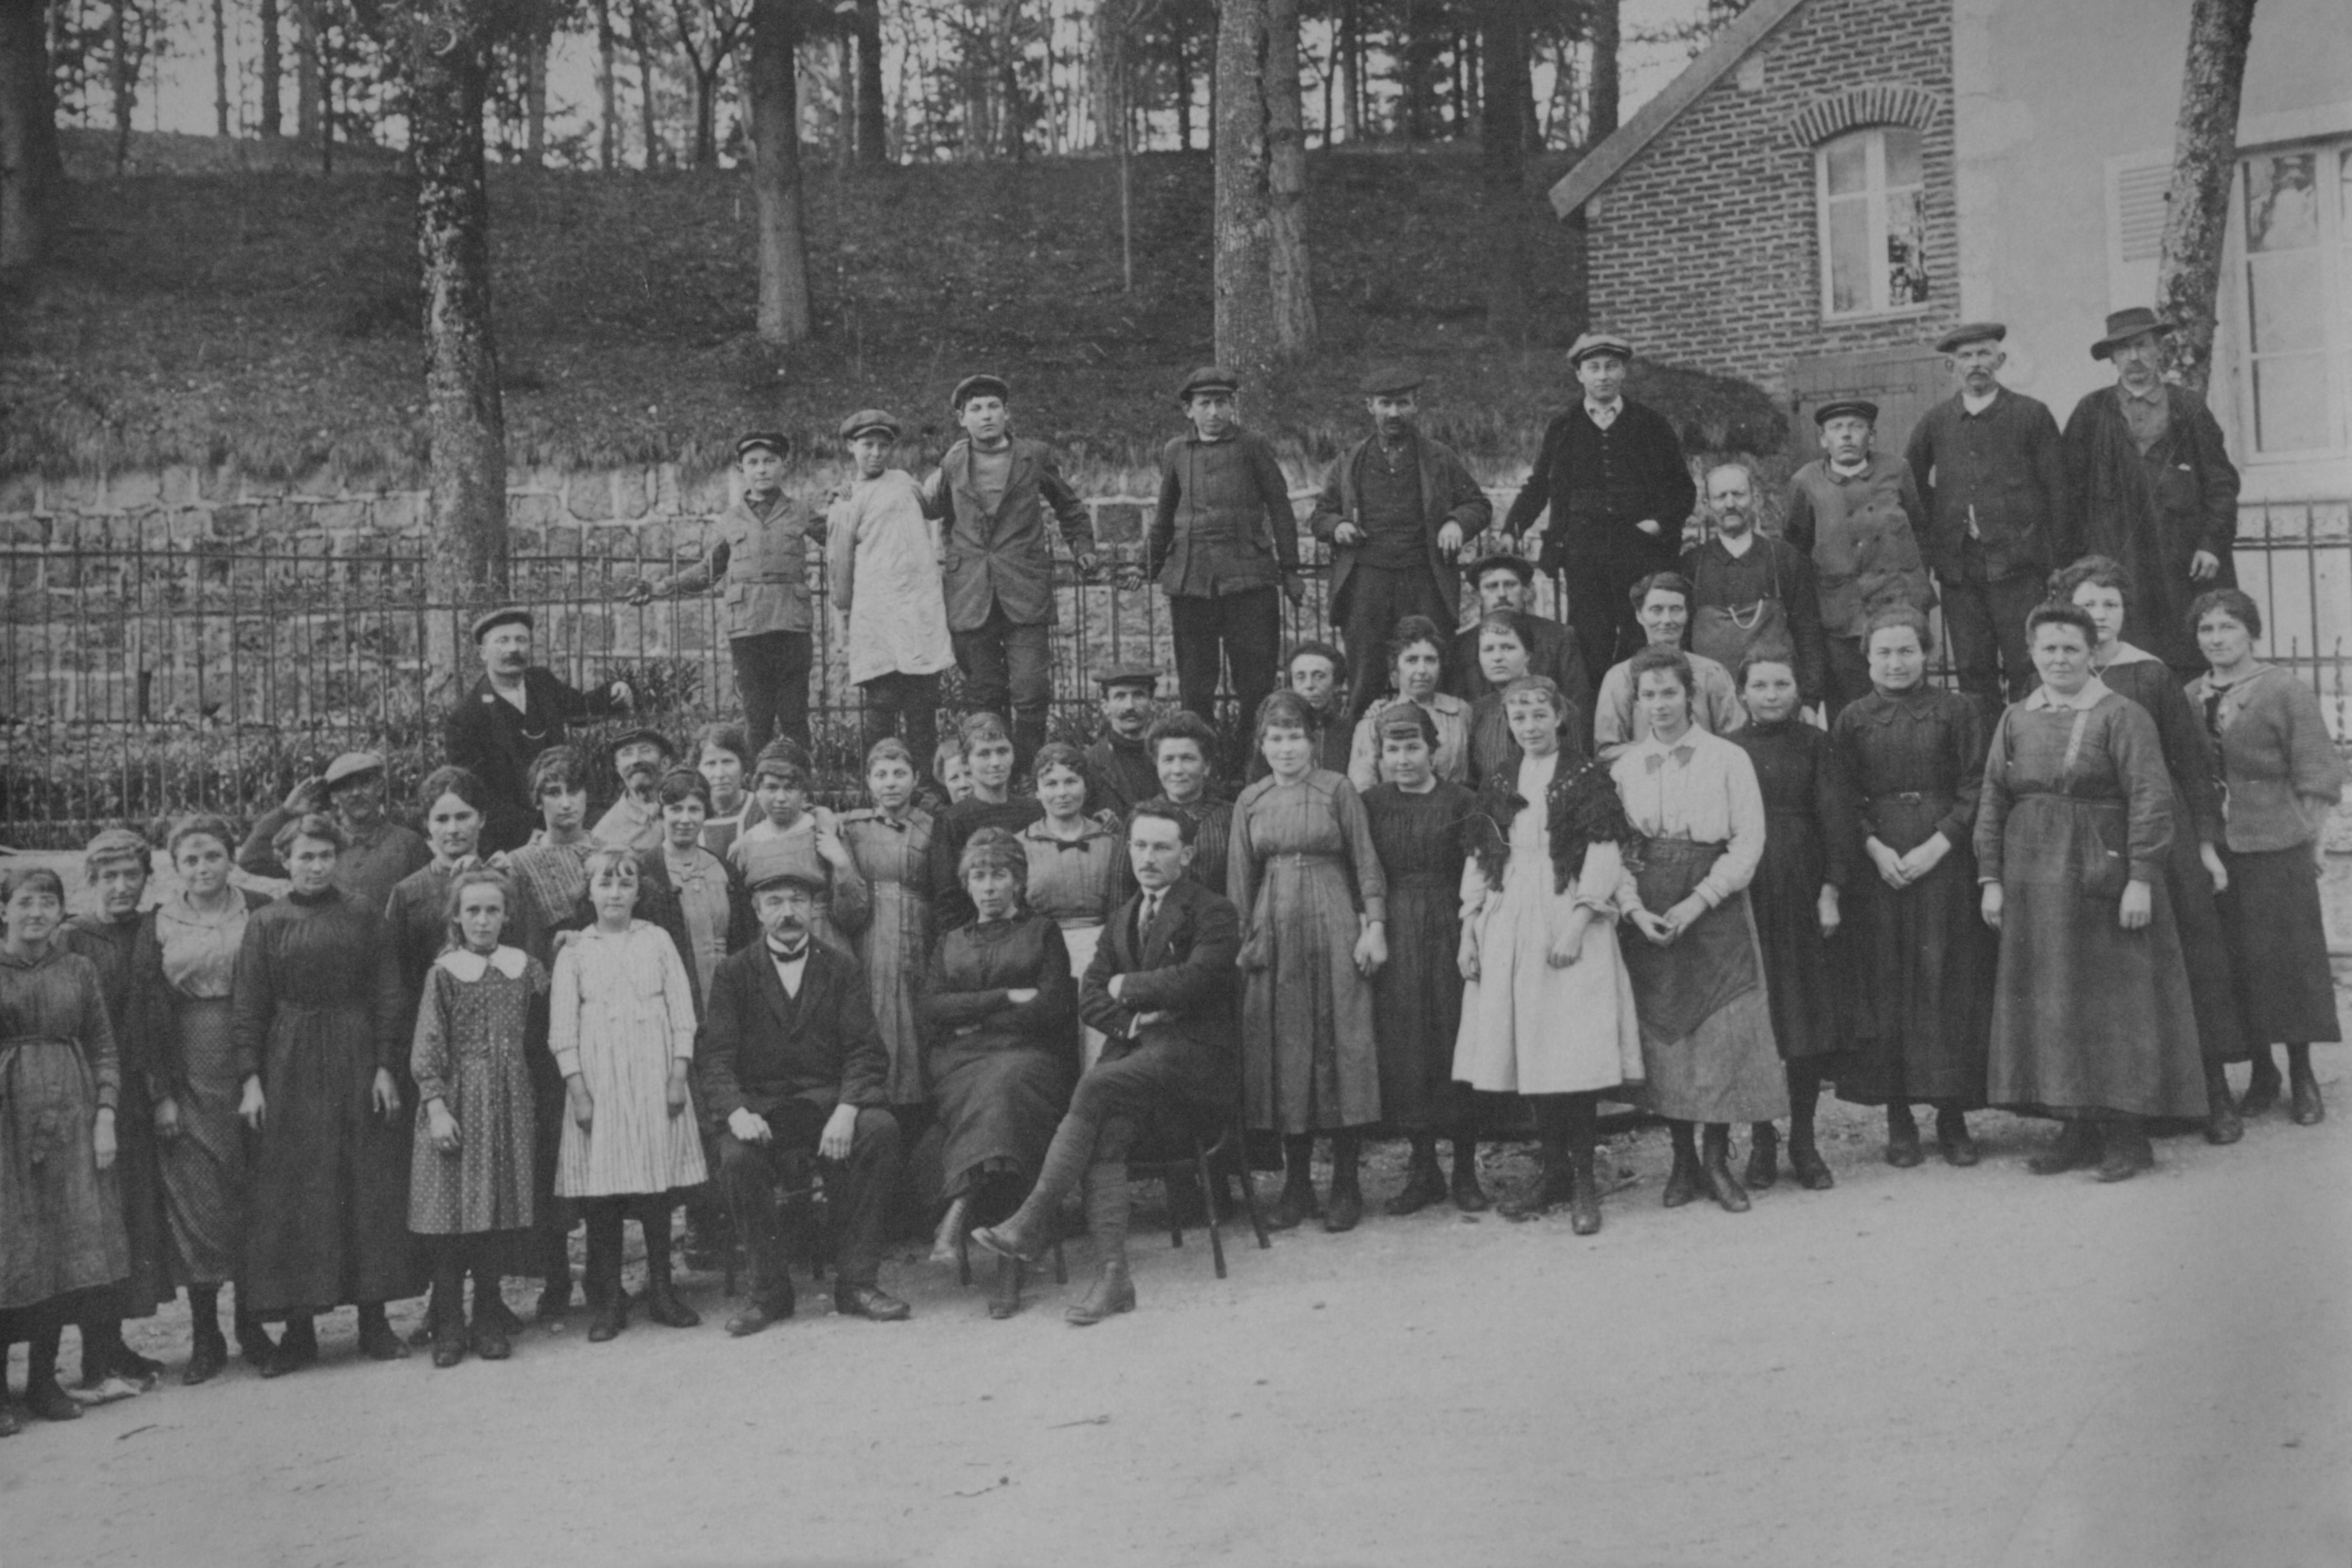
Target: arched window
{"points": [[1873, 223]]}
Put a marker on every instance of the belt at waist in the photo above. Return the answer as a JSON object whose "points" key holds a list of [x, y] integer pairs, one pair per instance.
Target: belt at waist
{"points": [[1302, 858], [1683, 848]]}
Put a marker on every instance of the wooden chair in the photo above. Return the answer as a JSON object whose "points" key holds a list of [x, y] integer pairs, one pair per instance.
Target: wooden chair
{"points": [[1202, 1152]]}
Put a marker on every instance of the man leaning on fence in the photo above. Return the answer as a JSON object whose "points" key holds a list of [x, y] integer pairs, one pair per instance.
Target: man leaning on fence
{"points": [[515, 712]]}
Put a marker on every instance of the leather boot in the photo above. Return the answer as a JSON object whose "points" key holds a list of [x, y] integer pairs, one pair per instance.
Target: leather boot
{"points": [[1106, 1210], [1347, 1210], [377, 1341], [1297, 1204], [298, 1346], [2223, 1125], [608, 1304], [1113, 1291], [1424, 1183], [1715, 1168], [1469, 1196], [2128, 1151], [555, 1274], [1953, 1138], [1903, 1151], [1005, 1298], [253, 1341], [2305, 1106], [2078, 1143], [446, 1313], [1583, 1192], [661, 1302], [2263, 1087], [207, 1347], [950, 1229], [1763, 1155], [1683, 1180], [1030, 1229], [1805, 1162], [44, 1395], [1552, 1186]]}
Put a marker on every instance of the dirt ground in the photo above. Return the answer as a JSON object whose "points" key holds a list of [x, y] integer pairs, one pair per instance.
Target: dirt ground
{"points": [[1937, 1366]]}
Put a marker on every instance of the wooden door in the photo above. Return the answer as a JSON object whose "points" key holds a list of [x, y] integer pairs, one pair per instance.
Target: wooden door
{"points": [[1904, 382]]}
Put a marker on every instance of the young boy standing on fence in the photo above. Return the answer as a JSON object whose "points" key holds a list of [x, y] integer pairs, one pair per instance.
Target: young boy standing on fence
{"points": [[882, 573], [760, 563], [993, 489]]}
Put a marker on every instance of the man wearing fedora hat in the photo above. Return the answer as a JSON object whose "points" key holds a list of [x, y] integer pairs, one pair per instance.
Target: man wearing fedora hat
{"points": [[1612, 473], [2150, 484], [1396, 510], [516, 710], [1223, 543], [382, 851], [758, 564], [1989, 471], [993, 491], [882, 574]]}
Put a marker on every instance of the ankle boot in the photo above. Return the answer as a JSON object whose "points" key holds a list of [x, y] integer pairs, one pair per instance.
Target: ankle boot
{"points": [[1553, 1184], [1763, 1155], [377, 1341], [608, 1304], [1903, 1151], [44, 1395], [1347, 1210], [950, 1229], [1005, 1298], [1424, 1183], [1106, 1210], [2223, 1125], [1953, 1138], [207, 1346], [2078, 1143], [1583, 1192], [1469, 1196], [1805, 1162], [555, 1276], [2305, 1106], [253, 1341], [2261, 1087], [662, 1304], [1030, 1229], [296, 1347], [1715, 1169], [2128, 1151], [1113, 1291], [1684, 1182], [1297, 1204], [445, 1313]]}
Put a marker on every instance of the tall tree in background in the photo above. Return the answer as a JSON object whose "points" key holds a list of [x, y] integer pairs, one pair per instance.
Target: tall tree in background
{"points": [[306, 70], [708, 32], [1503, 141], [1602, 29], [32, 174], [2204, 161], [220, 68], [776, 174], [1286, 134], [273, 66], [130, 36], [608, 118], [1244, 316], [873, 122], [644, 39]]}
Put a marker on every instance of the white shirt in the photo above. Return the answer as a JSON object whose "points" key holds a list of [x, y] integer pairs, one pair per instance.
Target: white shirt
{"points": [[1604, 414], [790, 970]]}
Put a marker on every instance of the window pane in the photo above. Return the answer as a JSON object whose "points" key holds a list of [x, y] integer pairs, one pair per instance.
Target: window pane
{"points": [[1901, 156], [1850, 256], [2291, 403], [1907, 250], [1848, 167], [2285, 295], [2281, 201]]}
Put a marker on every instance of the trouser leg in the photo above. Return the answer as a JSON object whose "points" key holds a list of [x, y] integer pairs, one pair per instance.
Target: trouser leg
{"points": [[1029, 673], [747, 1174], [755, 685], [878, 709], [1849, 674], [1594, 609], [1968, 627], [1378, 599], [870, 1172], [2008, 601], [1251, 629], [981, 656], [1196, 626], [918, 713]]}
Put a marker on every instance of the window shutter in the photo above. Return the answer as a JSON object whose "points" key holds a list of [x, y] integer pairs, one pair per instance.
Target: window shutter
{"points": [[2136, 183]]}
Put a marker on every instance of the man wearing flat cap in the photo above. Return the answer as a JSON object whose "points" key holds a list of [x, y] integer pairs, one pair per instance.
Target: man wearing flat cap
{"points": [[1508, 582], [1992, 478], [1855, 512], [1612, 473], [2151, 484], [758, 561], [792, 1070], [351, 788], [1120, 773], [1396, 510], [1223, 544], [516, 710], [992, 493], [882, 576]]}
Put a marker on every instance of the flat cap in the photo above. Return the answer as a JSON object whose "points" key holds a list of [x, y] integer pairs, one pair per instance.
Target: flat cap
{"points": [[866, 419], [1128, 675], [980, 385], [1208, 378], [645, 735], [352, 765], [1519, 566], [791, 861], [1388, 381], [775, 441], [1591, 343], [1859, 407], [504, 616], [1970, 332]]}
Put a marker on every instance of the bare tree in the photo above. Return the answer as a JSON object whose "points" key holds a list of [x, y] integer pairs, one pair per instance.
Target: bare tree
{"points": [[1502, 140], [306, 69], [220, 68], [708, 32], [1602, 23], [32, 173], [643, 40], [776, 174], [273, 67], [535, 46], [873, 124], [2204, 161], [130, 36], [1286, 133], [1246, 340], [608, 120]]}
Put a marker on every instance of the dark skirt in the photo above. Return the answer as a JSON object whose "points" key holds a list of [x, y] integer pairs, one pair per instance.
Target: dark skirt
{"points": [[2088, 1018], [327, 1214], [1706, 1029], [139, 1177], [1918, 967], [2204, 946], [60, 1216], [1417, 1003], [1786, 896], [997, 1111], [2278, 947], [204, 1168]]}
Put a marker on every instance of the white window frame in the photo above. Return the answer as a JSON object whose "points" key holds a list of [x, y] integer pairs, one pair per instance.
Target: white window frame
{"points": [[1875, 192], [2335, 301]]}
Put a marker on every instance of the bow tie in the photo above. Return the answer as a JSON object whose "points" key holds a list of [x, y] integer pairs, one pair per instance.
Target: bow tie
{"points": [[1079, 843], [1681, 754], [788, 955]]}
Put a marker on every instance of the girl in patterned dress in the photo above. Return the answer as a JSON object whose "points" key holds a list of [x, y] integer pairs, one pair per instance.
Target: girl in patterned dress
{"points": [[469, 1182], [621, 1022]]}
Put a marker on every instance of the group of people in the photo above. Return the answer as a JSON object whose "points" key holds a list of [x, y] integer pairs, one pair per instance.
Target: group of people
{"points": [[1763, 855]]}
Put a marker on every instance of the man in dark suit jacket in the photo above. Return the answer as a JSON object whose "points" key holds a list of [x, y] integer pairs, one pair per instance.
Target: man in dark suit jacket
{"points": [[515, 712], [1160, 990], [792, 1064], [992, 490]]}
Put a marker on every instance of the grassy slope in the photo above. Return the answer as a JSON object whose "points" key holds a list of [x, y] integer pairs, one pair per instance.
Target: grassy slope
{"points": [[268, 319]]}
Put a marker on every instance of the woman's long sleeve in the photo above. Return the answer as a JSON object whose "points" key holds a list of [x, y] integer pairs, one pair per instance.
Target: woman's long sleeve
{"points": [[1356, 832], [1744, 802], [1964, 737], [564, 1011], [2147, 786], [428, 1049], [677, 997], [1993, 803], [252, 1000], [1834, 818]]}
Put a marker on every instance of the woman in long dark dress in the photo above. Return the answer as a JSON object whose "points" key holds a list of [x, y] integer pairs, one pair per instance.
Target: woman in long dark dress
{"points": [[1810, 839], [1421, 832], [1505, 647], [1920, 1001], [61, 1238], [317, 1008], [1003, 1009], [2193, 872], [186, 967], [2092, 1024], [2281, 776], [115, 865]]}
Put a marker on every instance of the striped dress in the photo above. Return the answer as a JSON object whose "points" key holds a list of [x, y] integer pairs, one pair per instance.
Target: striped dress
{"points": [[621, 1009]]}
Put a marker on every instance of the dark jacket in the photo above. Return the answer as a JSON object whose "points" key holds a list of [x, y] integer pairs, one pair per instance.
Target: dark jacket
{"points": [[760, 564], [1771, 568], [1556, 653], [2002, 468], [1601, 483], [1225, 523], [485, 735], [1448, 494], [1184, 965], [759, 1047], [1006, 557], [1120, 774], [1863, 534]]}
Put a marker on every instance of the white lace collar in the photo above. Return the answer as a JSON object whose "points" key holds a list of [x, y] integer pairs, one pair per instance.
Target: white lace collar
{"points": [[470, 967]]}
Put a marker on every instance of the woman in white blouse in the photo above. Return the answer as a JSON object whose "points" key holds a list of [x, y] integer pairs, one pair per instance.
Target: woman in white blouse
{"points": [[1696, 965]]}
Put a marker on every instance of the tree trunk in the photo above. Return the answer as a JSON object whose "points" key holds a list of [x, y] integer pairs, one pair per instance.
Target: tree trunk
{"points": [[873, 145], [1285, 131], [220, 68], [1602, 93], [273, 114], [776, 176], [846, 73], [306, 69], [122, 74], [1351, 68], [535, 99], [2204, 161], [1502, 50], [466, 567], [1012, 127], [32, 177], [608, 129], [705, 116], [1246, 338], [1180, 75], [640, 39]]}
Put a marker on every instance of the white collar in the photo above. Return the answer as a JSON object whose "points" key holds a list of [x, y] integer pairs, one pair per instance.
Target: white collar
{"points": [[1975, 404], [2044, 700], [1613, 408], [2126, 654], [470, 967]]}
